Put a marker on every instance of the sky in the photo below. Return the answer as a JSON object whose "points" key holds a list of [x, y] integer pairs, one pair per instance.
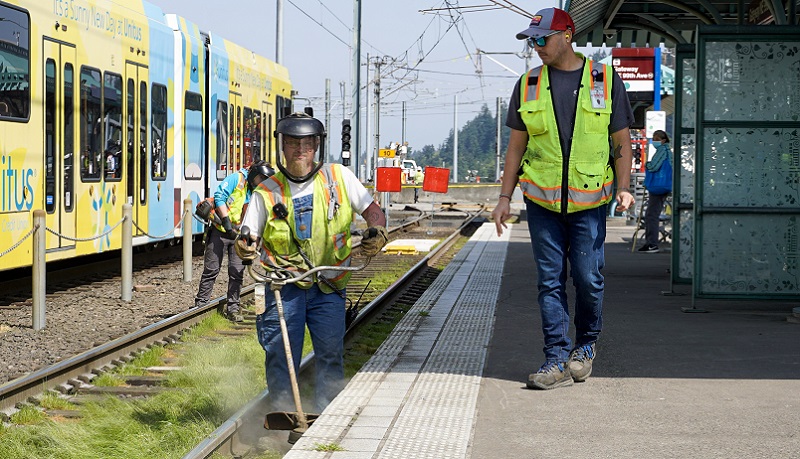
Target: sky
{"points": [[431, 58]]}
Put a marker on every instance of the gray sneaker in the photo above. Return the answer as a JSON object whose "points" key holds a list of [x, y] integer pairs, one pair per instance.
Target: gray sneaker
{"points": [[550, 376], [580, 362]]}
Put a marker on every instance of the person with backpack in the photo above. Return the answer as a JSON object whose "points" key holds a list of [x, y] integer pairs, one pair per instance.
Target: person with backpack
{"points": [[230, 201], [658, 181]]}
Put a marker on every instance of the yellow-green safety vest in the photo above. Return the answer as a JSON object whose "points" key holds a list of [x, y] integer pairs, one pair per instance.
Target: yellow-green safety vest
{"points": [[587, 177], [331, 217], [236, 202]]}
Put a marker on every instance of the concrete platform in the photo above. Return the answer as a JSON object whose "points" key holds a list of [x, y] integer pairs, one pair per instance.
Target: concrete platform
{"points": [[450, 382]]}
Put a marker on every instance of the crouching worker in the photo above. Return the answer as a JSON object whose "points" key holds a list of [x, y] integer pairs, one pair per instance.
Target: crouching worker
{"points": [[301, 217], [230, 201]]}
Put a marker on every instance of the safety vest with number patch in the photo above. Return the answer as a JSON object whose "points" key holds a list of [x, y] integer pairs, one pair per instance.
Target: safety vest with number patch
{"points": [[583, 179]]}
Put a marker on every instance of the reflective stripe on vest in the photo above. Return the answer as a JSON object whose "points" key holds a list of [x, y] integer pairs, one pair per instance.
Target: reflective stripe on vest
{"points": [[590, 177], [236, 202], [330, 241]]}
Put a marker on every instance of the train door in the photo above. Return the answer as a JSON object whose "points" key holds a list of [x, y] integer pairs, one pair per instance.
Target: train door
{"points": [[266, 133], [59, 143], [235, 133], [135, 139]]}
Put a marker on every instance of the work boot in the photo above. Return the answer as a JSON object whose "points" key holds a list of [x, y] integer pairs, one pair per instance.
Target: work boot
{"points": [[580, 362], [550, 376], [234, 316]]}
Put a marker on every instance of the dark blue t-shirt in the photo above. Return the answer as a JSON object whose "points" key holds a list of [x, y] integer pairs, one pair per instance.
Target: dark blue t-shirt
{"points": [[564, 89]]}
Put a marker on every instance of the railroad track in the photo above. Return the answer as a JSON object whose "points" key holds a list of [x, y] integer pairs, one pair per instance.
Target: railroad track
{"points": [[73, 372]]}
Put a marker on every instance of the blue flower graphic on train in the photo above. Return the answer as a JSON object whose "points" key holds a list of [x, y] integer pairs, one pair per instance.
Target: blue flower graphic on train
{"points": [[101, 203]]}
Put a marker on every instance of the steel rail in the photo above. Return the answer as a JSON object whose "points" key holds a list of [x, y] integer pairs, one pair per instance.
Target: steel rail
{"points": [[20, 389]]}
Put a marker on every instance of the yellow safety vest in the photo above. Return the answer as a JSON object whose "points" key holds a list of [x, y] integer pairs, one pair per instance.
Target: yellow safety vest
{"points": [[236, 202], [331, 217], [587, 177]]}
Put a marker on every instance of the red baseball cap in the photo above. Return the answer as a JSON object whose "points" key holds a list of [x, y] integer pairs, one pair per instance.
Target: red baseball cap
{"points": [[546, 21]]}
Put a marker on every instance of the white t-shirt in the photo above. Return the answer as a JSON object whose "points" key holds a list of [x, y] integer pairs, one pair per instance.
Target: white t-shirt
{"points": [[256, 213]]}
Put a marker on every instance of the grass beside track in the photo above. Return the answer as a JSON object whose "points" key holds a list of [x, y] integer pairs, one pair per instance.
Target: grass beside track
{"points": [[217, 378]]}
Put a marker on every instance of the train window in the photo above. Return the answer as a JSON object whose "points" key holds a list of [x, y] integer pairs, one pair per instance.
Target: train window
{"points": [[238, 154], [91, 138], [257, 149], [222, 135], [130, 116], [158, 131], [248, 137], [69, 135], [231, 148], [112, 119], [193, 138], [143, 142], [268, 136], [50, 135], [15, 94]]}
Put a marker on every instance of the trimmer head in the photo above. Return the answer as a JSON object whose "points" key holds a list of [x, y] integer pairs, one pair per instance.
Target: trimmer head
{"points": [[287, 420]]}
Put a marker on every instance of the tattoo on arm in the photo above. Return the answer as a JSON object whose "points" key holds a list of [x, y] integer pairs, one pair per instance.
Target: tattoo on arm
{"points": [[374, 215], [617, 152]]}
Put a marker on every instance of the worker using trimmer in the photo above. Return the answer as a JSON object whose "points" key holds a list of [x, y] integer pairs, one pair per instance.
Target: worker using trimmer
{"points": [[301, 216]]}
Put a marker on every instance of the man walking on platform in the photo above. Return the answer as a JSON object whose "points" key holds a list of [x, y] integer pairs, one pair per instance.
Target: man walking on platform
{"points": [[561, 116]]}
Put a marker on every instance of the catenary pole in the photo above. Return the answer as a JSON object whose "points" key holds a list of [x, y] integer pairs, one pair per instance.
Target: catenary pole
{"points": [[356, 86], [497, 150], [455, 138], [279, 32], [328, 151]]}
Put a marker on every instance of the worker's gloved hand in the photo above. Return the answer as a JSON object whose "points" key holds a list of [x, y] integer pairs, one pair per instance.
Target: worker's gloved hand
{"points": [[230, 233], [373, 240], [246, 250]]}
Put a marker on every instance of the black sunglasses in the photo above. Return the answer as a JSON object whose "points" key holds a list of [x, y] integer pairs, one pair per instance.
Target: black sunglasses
{"points": [[541, 42]]}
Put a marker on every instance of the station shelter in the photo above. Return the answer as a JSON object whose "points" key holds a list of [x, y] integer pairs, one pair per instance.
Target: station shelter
{"points": [[735, 134]]}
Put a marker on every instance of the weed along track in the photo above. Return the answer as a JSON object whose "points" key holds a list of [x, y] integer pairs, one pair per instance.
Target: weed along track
{"points": [[163, 389]]}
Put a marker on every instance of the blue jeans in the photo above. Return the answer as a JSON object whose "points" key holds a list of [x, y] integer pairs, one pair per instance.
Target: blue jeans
{"points": [[323, 313], [577, 238]]}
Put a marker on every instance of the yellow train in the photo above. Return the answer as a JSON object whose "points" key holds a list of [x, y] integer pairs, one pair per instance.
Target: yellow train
{"points": [[107, 102]]}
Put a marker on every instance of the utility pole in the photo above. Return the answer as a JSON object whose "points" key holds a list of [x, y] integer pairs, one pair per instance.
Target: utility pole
{"points": [[279, 33], [356, 86], [328, 151], [372, 160], [403, 131], [455, 138], [378, 62], [497, 154]]}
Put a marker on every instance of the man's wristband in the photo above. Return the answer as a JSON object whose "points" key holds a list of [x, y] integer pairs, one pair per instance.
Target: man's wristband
{"points": [[503, 195]]}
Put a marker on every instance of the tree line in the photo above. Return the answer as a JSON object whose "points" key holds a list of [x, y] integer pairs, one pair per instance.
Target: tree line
{"points": [[477, 149]]}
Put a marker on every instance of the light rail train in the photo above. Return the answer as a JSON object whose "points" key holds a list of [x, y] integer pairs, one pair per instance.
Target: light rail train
{"points": [[107, 102]]}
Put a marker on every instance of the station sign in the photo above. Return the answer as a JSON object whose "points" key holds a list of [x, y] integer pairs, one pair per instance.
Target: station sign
{"points": [[656, 120], [636, 67]]}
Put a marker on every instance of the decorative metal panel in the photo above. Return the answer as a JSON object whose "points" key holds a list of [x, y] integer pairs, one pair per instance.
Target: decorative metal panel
{"points": [[751, 167], [689, 105], [685, 244], [752, 81], [750, 254]]}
